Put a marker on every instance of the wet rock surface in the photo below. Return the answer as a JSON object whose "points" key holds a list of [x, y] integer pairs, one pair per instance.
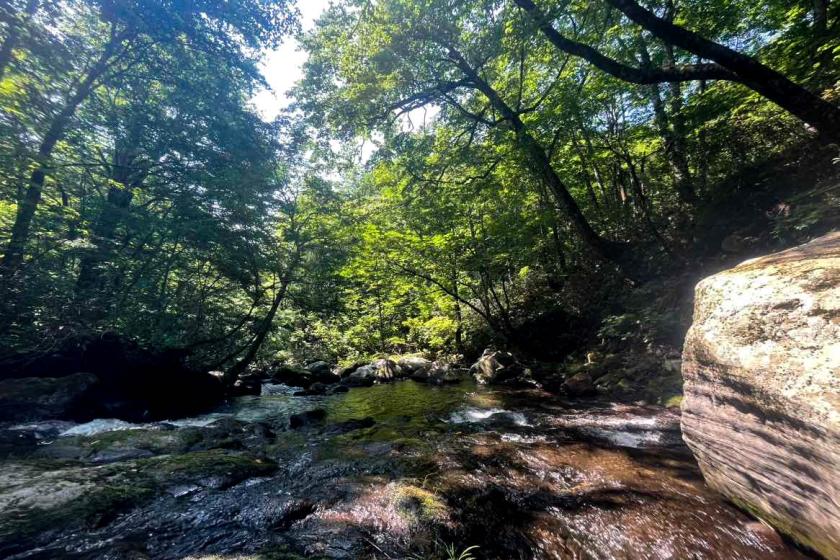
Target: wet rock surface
{"points": [[762, 399], [397, 470], [497, 367]]}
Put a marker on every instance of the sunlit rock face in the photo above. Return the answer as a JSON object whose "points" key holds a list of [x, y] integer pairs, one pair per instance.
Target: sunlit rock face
{"points": [[762, 389]]}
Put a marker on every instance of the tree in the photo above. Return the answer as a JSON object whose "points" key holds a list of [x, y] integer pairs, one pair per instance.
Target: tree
{"points": [[728, 64], [423, 65], [16, 27], [222, 30]]}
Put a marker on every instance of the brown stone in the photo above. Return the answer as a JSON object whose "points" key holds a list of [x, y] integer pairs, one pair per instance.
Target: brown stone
{"points": [[579, 385], [762, 389]]}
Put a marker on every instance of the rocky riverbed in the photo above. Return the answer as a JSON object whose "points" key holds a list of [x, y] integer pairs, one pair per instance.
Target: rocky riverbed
{"points": [[402, 470]]}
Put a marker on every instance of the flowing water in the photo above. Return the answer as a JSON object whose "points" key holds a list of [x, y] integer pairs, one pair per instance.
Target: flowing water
{"points": [[396, 471]]}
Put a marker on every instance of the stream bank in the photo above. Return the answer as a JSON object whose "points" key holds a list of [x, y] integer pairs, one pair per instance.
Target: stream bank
{"points": [[392, 471]]}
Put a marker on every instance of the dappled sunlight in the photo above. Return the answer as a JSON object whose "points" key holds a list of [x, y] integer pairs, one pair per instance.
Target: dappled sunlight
{"points": [[419, 279]]}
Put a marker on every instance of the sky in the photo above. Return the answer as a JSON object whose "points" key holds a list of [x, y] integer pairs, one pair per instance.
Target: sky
{"points": [[284, 66]]}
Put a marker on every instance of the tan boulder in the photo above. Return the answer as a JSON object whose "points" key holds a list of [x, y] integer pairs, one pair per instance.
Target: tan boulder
{"points": [[762, 389]]}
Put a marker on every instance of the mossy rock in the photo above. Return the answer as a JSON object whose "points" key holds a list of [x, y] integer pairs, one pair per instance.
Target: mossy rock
{"points": [[38, 496], [421, 505], [44, 500], [192, 467], [121, 445]]}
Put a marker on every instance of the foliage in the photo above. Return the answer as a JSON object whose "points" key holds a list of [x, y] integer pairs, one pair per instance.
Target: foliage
{"points": [[429, 191]]}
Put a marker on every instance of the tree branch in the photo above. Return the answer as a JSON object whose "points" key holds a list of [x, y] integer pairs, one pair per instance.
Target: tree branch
{"points": [[627, 73]]}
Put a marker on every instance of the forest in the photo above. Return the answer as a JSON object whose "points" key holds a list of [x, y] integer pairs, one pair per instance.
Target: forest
{"points": [[537, 185], [518, 167]]}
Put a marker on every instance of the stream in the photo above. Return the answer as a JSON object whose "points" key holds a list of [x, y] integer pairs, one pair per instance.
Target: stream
{"points": [[402, 470]]}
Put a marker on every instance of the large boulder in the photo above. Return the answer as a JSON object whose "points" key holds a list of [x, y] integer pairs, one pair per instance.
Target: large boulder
{"points": [[496, 367], [293, 376], [415, 367], [38, 398], [322, 372], [386, 370], [438, 373], [380, 371], [762, 389], [307, 418], [347, 370], [364, 376]]}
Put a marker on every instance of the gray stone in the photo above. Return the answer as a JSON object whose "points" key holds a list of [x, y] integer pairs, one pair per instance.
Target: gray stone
{"points": [[495, 366]]}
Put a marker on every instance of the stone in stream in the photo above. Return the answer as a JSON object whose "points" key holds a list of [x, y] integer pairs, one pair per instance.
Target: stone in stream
{"points": [[380, 371], [322, 372], [496, 367], [433, 373], [345, 371], [135, 441], [37, 498], [307, 418], [415, 366], [350, 426], [386, 370], [292, 376], [762, 389], [362, 377], [314, 389]]}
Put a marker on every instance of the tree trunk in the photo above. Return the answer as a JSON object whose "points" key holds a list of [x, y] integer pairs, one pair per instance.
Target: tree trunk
{"points": [[671, 129], [536, 155], [810, 108], [459, 320], [820, 14], [265, 327], [13, 257], [89, 283]]}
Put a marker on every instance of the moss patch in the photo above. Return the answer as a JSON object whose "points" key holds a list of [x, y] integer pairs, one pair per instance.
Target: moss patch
{"points": [[673, 402], [201, 464], [421, 505]]}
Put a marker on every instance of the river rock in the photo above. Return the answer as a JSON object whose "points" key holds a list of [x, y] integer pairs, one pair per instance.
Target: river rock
{"points": [[350, 426], [314, 390], [347, 370], [30, 398], [362, 377], [414, 366], [387, 370], [322, 372], [303, 419], [579, 385], [438, 373], [761, 411], [495, 366], [380, 371], [293, 376]]}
